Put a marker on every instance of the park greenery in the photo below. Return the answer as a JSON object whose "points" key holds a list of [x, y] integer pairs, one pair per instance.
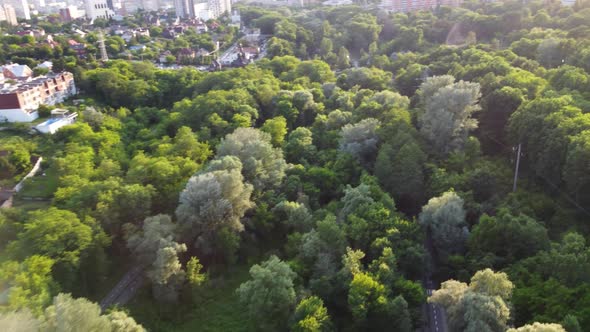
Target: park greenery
{"points": [[316, 189]]}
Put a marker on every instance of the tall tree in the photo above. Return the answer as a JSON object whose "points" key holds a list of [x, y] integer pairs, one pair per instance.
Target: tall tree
{"points": [[483, 305], [263, 165], [448, 109], [270, 295], [212, 201], [311, 316], [444, 216]]}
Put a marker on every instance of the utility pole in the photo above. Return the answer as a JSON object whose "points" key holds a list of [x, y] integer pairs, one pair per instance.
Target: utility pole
{"points": [[516, 169]]}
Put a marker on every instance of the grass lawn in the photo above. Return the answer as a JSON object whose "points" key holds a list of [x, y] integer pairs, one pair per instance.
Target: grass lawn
{"points": [[30, 205], [216, 308], [40, 186]]}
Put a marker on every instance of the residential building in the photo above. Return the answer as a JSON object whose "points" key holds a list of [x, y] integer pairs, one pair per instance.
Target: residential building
{"points": [[19, 101], [21, 8], [59, 118], [8, 14], [203, 9], [15, 71], [99, 9], [414, 5], [80, 48]]}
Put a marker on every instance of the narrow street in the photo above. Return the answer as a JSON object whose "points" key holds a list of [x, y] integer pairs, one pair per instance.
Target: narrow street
{"points": [[435, 315]]}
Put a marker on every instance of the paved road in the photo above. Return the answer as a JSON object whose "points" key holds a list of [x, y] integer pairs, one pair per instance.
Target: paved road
{"points": [[436, 318], [125, 288]]}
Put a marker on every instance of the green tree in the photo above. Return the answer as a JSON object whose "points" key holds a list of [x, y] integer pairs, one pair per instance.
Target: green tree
{"points": [[360, 140], [270, 295], [263, 165], [212, 201], [276, 128], [447, 118], [508, 237], [311, 316], [483, 305], [30, 282], [444, 216], [193, 272], [56, 233]]}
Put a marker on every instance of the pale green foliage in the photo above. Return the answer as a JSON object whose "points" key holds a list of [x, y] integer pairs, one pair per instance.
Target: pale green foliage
{"points": [[269, 295], [338, 119], [445, 217], [121, 322], [166, 272], [492, 283], [360, 139], [67, 314], [480, 306], [484, 313], [19, 321], [447, 118], [193, 272], [295, 215], [262, 165], [167, 266], [539, 327], [354, 198], [145, 242], [311, 316], [214, 200]]}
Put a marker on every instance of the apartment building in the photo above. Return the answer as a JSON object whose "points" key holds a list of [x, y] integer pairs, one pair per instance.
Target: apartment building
{"points": [[19, 101]]}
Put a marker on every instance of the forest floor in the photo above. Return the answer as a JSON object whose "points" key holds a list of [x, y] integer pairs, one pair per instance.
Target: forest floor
{"points": [[214, 307]]}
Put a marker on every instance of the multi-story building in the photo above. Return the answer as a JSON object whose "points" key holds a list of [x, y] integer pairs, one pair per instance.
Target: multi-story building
{"points": [[19, 102], [70, 13], [414, 5], [203, 9], [99, 9], [8, 14], [21, 8], [182, 8]]}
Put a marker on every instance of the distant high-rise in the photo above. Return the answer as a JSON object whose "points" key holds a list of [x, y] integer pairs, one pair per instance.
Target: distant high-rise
{"points": [[203, 9], [413, 5], [182, 8], [99, 9], [21, 8], [8, 14], [132, 6]]}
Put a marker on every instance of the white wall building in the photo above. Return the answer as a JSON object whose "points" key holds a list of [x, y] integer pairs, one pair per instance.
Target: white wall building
{"points": [[98, 9]]}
